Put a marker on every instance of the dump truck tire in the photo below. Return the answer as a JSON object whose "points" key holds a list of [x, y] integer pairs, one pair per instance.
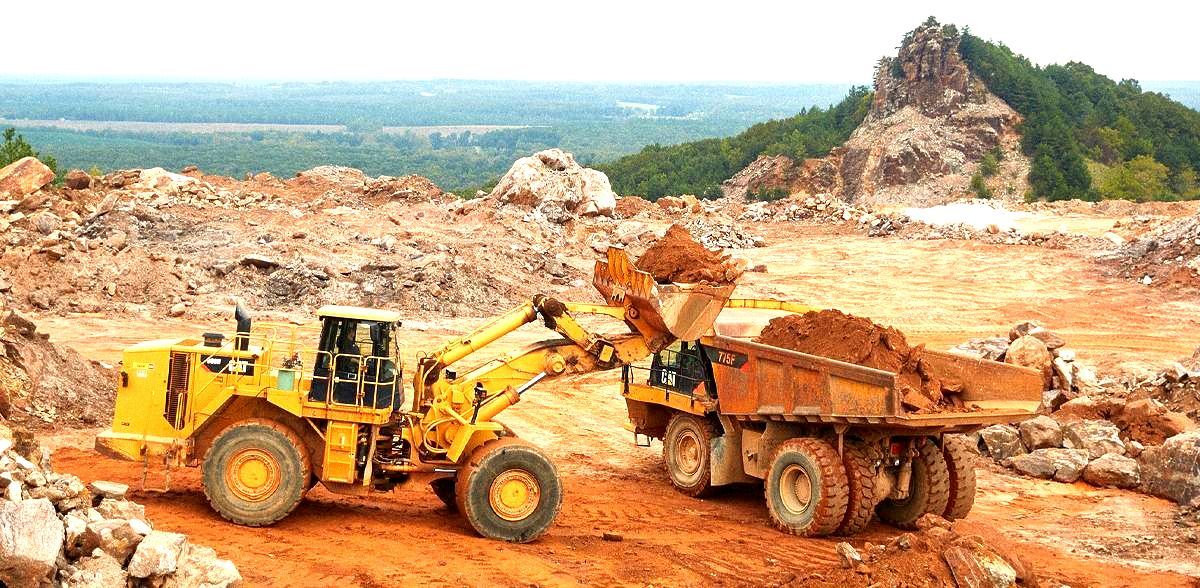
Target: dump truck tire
{"points": [[860, 498], [929, 490], [256, 472], [960, 465], [443, 488], [806, 488], [509, 490], [688, 455]]}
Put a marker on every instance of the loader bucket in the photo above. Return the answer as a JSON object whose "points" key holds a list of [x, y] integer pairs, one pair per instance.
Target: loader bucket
{"points": [[685, 311]]}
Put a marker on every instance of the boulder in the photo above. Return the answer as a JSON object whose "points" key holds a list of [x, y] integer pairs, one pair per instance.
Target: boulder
{"points": [[1150, 423], [99, 570], [1084, 408], [553, 183], [1094, 436], [115, 537], [31, 539], [976, 566], [1063, 465], [1001, 441], [1172, 470], [121, 509], [77, 179], [23, 177], [104, 489], [1113, 470], [201, 568], [1030, 352], [157, 555], [992, 348], [1041, 432]]}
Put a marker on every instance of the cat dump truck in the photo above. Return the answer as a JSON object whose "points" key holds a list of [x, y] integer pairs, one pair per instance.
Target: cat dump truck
{"points": [[276, 409], [831, 441]]}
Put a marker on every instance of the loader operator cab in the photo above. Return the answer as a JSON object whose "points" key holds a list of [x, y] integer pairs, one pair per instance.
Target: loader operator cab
{"points": [[357, 360]]}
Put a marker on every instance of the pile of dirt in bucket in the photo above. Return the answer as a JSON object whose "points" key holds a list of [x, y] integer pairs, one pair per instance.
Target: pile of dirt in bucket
{"points": [[837, 335], [677, 257]]}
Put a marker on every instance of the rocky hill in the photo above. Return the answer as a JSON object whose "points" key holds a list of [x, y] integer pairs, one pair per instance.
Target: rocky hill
{"points": [[930, 124]]}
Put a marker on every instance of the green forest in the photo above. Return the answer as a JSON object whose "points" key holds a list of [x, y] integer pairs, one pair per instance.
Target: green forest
{"points": [[699, 167], [1089, 137]]}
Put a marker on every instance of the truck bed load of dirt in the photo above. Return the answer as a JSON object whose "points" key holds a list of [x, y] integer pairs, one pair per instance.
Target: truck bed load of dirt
{"points": [[837, 335], [677, 257]]}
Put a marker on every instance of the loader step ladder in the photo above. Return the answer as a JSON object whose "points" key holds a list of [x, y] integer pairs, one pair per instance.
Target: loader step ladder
{"points": [[167, 458]]}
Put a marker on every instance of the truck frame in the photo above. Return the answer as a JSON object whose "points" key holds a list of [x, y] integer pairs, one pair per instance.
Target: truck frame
{"points": [[831, 440]]}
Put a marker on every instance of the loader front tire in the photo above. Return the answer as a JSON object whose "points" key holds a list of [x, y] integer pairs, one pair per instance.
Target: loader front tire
{"points": [[929, 490], [960, 465], [806, 488], [256, 472], [688, 455], [509, 490]]}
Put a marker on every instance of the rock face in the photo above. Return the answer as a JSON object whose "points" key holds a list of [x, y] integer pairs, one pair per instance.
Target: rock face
{"points": [[1172, 470], [930, 124], [23, 177], [552, 183]]}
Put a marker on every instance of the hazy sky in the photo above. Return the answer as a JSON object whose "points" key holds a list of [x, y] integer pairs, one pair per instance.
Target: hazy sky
{"points": [[644, 40]]}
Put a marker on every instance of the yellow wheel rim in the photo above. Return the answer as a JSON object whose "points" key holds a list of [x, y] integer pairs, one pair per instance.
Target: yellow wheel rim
{"points": [[514, 495], [253, 474]]}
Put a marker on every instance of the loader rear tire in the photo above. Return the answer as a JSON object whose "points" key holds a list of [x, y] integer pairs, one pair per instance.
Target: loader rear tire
{"points": [[929, 490], [443, 488], [960, 463], [509, 490], [806, 488], [688, 455], [256, 472], [860, 475]]}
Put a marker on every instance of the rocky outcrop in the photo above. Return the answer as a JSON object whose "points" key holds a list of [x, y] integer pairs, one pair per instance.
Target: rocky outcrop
{"points": [[24, 177], [930, 124], [779, 172], [552, 183]]}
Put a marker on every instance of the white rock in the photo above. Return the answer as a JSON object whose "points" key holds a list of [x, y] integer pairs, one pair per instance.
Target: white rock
{"points": [[31, 537], [157, 555]]}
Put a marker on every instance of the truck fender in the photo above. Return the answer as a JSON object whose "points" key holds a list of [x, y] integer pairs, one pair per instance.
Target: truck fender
{"points": [[726, 462]]}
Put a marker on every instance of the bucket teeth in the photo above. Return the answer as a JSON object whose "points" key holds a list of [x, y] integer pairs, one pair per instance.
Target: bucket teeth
{"points": [[686, 311]]}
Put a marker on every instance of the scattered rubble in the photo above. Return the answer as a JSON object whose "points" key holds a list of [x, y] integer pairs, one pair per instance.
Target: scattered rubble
{"points": [[56, 531], [1168, 255]]}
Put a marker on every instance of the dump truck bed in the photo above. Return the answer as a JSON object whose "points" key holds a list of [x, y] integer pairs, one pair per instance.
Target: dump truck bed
{"points": [[762, 382]]}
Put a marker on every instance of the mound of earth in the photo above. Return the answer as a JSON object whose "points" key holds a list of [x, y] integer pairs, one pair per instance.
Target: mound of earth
{"points": [[843, 337], [1168, 255], [41, 382], [677, 257]]}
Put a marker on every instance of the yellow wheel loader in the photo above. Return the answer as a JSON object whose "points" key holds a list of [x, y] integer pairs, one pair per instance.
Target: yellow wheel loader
{"points": [[277, 408]]}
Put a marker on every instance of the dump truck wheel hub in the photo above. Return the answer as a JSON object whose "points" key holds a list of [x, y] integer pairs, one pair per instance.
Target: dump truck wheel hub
{"points": [[687, 454], [514, 495], [795, 488], [253, 474]]}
